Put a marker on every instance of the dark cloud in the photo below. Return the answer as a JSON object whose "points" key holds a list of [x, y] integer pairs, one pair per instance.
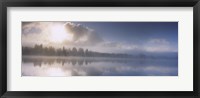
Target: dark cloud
{"points": [[82, 34], [78, 31]]}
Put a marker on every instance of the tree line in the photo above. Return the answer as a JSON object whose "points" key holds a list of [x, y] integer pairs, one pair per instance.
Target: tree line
{"points": [[51, 51]]}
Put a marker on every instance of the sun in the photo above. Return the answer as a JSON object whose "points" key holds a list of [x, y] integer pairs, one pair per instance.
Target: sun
{"points": [[59, 34]]}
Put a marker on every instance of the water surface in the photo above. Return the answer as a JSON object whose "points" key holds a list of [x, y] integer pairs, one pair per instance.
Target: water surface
{"points": [[97, 66]]}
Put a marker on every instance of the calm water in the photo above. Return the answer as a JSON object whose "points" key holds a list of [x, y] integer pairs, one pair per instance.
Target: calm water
{"points": [[86, 66]]}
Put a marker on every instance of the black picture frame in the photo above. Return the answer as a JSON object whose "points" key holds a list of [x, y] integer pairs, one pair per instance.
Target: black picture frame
{"points": [[98, 3]]}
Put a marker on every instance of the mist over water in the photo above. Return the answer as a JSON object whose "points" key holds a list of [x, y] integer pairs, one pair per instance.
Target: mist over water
{"points": [[97, 66]]}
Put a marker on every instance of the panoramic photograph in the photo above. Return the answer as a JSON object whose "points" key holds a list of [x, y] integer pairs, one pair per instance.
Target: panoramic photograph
{"points": [[73, 48]]}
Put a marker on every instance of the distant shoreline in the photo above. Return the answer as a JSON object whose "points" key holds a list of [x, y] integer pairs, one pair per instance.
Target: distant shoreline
{"points": [[42, 56], [80, 57]]}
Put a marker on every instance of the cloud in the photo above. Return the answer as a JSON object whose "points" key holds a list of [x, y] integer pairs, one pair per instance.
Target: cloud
{"points": [[158, 45], [119, 47], [77, 30], [111, 44], [30, 28], [82, 34], [40, 33], [35, 33], [124, 46], [158, 49], [158, 41], [149, 45]]}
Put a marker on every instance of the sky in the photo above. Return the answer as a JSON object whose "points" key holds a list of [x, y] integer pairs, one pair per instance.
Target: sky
{"points": [[109, 37]]}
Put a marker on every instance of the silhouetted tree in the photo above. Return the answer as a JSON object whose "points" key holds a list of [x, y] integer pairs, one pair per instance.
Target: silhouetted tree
{"points": [[74, 51], [51, 51], [80, 52]]}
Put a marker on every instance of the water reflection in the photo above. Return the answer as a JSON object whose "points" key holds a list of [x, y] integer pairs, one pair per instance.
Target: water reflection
{"points": [[38, 61], [86, 66]]}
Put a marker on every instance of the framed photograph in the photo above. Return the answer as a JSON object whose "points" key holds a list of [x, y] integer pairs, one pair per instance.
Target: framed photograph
{"points": [[76, 48]]}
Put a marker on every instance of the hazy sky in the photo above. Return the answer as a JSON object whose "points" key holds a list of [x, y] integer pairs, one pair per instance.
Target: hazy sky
{"points": [[119, 37]]}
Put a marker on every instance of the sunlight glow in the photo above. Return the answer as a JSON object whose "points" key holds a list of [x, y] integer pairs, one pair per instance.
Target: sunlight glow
{"points": [[59, 34], [56, 72]]}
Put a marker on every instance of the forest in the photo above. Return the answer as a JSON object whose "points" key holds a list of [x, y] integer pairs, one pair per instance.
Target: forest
{"points": [[40, 50]]}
